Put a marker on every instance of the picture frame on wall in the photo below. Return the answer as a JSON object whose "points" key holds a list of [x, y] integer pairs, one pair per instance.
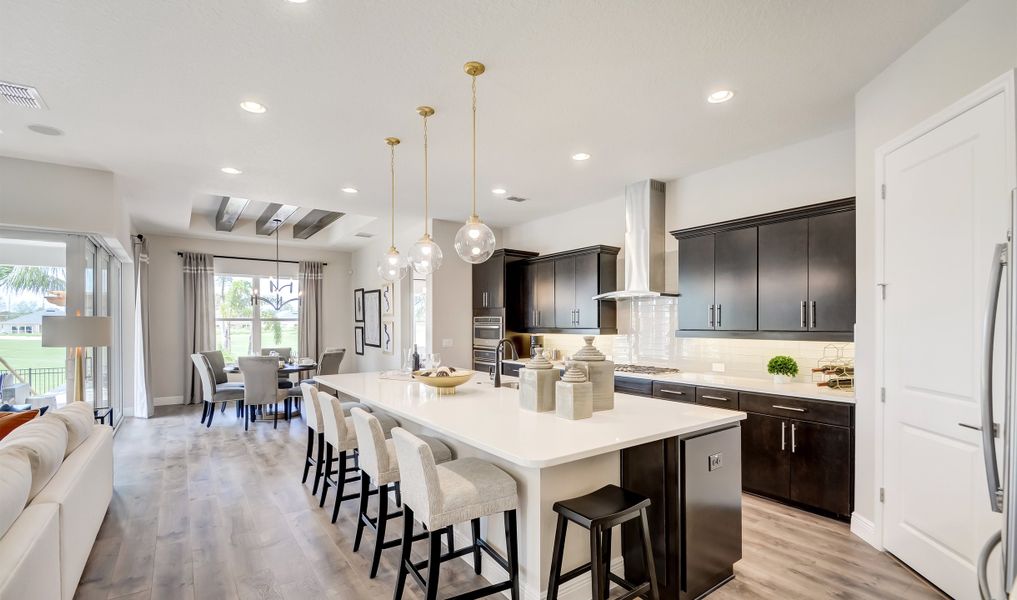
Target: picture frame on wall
{"points": [[372, 318], [387, 299], [358, 340], [358, 305], [387, 337]]}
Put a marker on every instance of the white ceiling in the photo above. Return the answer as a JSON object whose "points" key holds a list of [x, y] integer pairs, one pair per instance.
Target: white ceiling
{"points": [[150, 91]]}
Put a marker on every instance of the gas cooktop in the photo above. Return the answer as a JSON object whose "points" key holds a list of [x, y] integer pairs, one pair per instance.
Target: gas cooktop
{"points": [[646, 370]]}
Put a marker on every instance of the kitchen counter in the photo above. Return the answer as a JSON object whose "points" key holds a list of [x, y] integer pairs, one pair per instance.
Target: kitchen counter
{"points": [[553, 459], [489, 419], [742, 384]]}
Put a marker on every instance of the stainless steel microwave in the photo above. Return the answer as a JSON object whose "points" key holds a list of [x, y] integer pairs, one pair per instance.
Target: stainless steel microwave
{"points": [[487, 331]]}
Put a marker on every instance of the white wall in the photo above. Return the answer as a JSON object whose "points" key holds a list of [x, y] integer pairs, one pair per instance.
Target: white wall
{"points": [[452, 300], [599, 223], [55, 197], [166, 311], [973, 46]]}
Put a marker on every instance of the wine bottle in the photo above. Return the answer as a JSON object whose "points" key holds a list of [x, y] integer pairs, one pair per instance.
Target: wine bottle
{"points": [[416, 358]]}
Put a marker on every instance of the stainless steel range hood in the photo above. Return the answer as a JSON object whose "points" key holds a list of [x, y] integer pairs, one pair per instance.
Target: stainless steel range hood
{"points": [[644, 242]]}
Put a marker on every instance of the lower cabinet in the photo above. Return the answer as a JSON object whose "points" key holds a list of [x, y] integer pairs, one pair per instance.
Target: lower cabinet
{"points": [[806, 462]]}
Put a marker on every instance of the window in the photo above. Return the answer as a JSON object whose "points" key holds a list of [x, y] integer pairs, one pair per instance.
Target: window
{"points": [[420, 313], [243, 331]]}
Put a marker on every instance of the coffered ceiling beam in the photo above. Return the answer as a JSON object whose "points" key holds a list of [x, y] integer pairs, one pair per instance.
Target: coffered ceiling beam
{"points": [[313, 222], [267, 221], [229, 213]]}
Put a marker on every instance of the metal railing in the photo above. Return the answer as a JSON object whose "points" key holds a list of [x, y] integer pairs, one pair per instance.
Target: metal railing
{"points": [[41, 380]]}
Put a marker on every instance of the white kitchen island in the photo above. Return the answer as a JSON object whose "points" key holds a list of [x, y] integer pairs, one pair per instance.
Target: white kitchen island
{"points": [[550, 458]]}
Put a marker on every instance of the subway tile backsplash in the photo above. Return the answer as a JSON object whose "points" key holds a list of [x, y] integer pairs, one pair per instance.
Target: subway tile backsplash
{"points": [[648, 338]]}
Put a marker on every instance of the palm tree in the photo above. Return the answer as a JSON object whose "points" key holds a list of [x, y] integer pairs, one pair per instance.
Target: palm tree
{"points": [[16, 278]]}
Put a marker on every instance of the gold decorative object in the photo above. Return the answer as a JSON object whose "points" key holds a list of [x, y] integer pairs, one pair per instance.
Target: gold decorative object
{"points": [[446, 385]]}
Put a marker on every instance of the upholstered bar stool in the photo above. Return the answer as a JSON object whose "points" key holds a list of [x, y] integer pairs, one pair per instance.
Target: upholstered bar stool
{"points": [[316, 431], [340, 444], [599, 512], [378, 463], [442, 495]]}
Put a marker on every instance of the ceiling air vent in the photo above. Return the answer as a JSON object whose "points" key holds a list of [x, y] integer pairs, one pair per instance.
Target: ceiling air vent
{"points": [[21, 95], [364, 234], [516, 199]]}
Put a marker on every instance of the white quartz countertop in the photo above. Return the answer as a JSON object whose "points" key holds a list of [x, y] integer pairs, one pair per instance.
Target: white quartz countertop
{"points": [[489, 419], [742, 384]]}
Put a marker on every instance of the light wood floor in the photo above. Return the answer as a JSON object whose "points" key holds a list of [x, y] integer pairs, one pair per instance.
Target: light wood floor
{"points": [[221, 514]]}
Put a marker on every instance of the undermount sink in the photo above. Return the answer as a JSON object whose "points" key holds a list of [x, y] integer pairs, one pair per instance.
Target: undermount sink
{"points": [[513, 385]]}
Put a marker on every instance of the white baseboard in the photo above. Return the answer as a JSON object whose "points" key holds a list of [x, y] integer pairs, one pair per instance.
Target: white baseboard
{"points": [[865, 529], [577, 589], [167, 400]]}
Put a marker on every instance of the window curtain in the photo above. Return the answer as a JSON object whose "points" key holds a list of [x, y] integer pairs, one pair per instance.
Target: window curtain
{"points": [[311, 304], [199, 317], [143, 406]]}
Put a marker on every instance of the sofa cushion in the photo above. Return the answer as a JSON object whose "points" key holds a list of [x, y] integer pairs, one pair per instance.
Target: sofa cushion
{"points": [[43, 440], [11, 421], [15, 484], [79, 419], [29, 555]]}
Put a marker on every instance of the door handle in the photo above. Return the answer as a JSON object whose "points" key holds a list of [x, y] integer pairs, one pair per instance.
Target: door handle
{"points": [[710, 313], [804, 324], [999, 261], [995, 428], [577, 316], [719, 306], [812, 319], [794, 445], [783, 435]]}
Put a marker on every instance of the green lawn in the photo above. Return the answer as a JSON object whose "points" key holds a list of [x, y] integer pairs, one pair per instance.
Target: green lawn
{"points": [[26, 352]]}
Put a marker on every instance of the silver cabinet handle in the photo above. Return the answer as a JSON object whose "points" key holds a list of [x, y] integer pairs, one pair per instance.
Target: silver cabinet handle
{"points": [[577, 316], [804, 324], [782, 407], [718, 314], [487, 327], [674, 392], [794, 445], [783, 435], [722, 399], [999, 261], [711, 315], [813, 318]]}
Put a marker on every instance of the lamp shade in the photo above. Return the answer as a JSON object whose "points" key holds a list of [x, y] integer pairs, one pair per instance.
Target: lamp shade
{"points": [[76, 332]]}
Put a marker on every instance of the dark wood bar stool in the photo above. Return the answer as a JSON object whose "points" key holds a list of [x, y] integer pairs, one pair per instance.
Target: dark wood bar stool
{"points": [[599, 512]]}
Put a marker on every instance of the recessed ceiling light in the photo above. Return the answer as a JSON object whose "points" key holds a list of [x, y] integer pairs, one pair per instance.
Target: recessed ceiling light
{"points": [[231, 171], [253, 107], [45, 129], [498, 191], [720, 96], [350, 190], [296, 1], [580, 156]]}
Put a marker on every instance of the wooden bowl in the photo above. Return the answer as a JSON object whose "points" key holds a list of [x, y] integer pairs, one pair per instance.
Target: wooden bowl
{"points": [[445, 385]]}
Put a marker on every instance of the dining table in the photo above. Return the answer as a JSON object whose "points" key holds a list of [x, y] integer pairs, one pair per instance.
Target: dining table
{"points": [[285, 370]]}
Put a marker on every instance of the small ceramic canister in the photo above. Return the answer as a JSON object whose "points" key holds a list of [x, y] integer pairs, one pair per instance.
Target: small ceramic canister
{"points": [[574, 395], [536, 384], [600, 371]]}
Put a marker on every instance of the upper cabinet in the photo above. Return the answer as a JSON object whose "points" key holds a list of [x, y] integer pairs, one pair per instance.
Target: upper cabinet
{"points": [[493, 277], [554, 292], [788, 275]]}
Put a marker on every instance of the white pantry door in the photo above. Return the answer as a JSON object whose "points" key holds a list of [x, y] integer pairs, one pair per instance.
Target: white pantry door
{"points": [[946, 207]]}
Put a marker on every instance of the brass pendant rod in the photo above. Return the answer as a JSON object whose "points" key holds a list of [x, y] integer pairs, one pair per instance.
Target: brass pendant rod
{"points": [[474, 86], [427, 200]]}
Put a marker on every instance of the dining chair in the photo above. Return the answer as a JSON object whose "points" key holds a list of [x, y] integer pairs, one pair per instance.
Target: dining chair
{"points": [[284, 353], [218, 365], [212, 394], [261, 386], [329, 363]]}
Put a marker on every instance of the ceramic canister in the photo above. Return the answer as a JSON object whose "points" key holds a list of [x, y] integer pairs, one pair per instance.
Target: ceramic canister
{"points": [[536, 384], [600, 372], [574, 395]]}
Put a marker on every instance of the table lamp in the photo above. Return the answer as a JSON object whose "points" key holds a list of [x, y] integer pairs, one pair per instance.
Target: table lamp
{"points": [[79, 333]]}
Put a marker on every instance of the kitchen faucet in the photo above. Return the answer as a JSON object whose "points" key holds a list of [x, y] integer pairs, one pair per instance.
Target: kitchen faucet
{"points": [[498, 355]]}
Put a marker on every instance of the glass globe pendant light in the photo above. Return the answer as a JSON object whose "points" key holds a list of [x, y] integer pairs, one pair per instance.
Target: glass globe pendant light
{"points": [[474, 240], [392, 266], [425, 255]]}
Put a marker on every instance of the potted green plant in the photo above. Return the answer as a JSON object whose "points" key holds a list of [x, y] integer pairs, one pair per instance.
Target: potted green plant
{"points": [[783, 369]]}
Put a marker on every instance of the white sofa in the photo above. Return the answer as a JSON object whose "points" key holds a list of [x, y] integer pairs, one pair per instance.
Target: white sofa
{"points": [[43, 552]]}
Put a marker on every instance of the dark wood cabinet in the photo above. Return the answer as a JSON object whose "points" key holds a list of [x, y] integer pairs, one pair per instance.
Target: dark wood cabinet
{"points": [[765, 465], [832, 272], [558, 290], [696, 283], [497, 286], [800, 450], [735, 279], [786, 275], [821, 470], [489, 282], [678, 392], [719, 397]]}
